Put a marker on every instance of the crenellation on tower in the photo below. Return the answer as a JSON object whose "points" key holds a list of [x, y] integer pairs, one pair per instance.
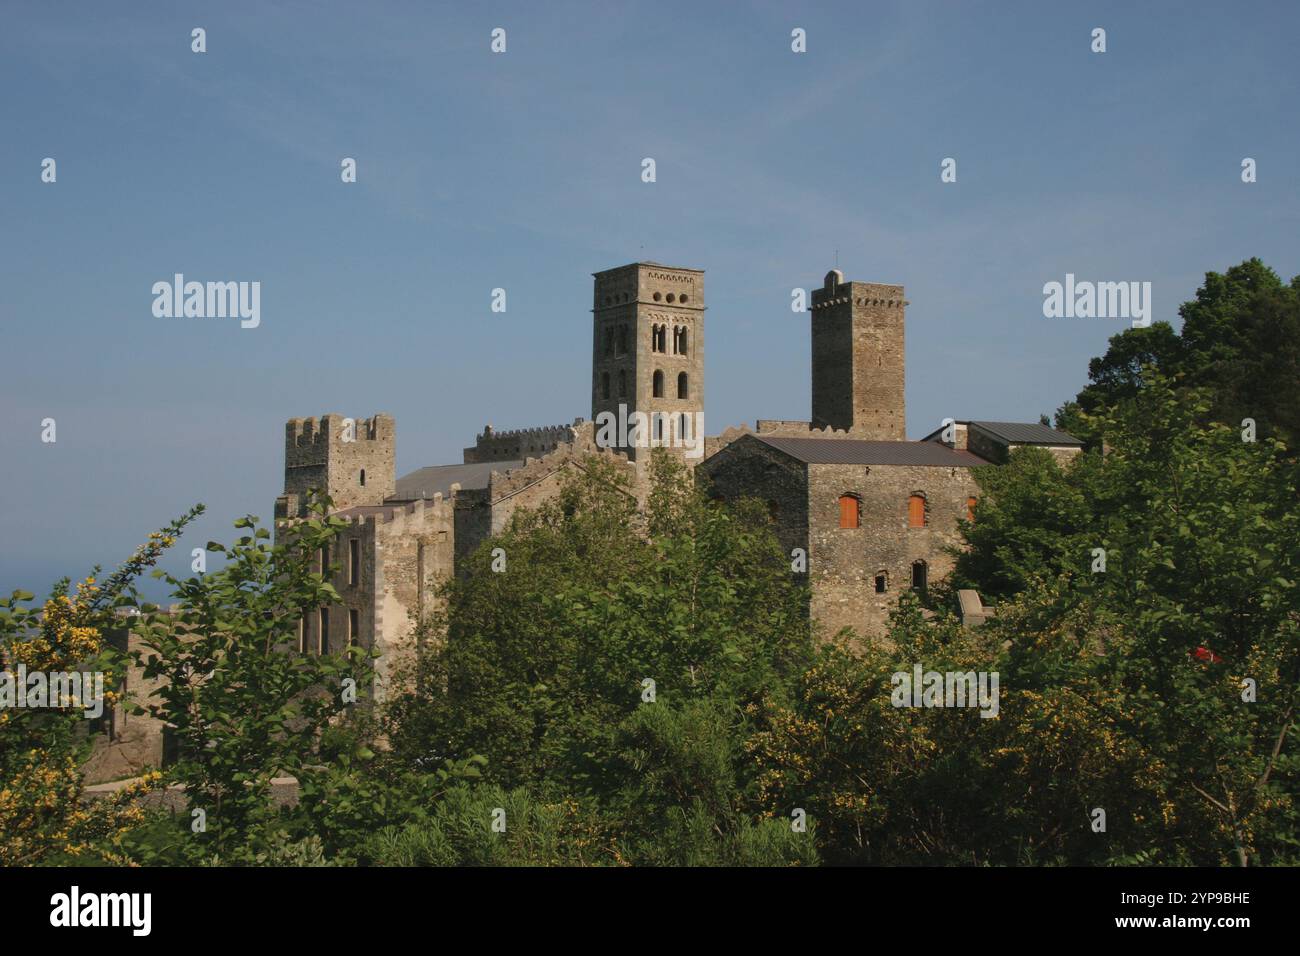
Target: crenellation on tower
{"points": [[493, 445], [858, 358], [875, 514], [351, 460]]}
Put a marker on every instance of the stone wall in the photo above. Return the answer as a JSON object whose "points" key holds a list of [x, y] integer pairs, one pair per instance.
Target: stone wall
{"points": [[844, 562], [519, 443], [407, 552], [773, 478], [125, 744], [857, 358], [317, 456]]}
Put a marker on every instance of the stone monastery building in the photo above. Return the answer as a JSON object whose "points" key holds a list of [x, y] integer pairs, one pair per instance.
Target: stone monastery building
{"points": [[873, 511]]}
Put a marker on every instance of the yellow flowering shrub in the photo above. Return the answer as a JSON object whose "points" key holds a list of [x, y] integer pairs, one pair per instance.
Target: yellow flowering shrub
{"points": [[45, 814]]}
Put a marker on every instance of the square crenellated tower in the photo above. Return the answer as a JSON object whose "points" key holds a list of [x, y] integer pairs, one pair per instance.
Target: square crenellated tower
{"points": [[648, 347], [351, 460], [857, 358]]}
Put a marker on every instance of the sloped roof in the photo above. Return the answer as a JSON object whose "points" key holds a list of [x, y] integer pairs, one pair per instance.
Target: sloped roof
{"points": [[1027, 433], [851, 451], [426, 482]]}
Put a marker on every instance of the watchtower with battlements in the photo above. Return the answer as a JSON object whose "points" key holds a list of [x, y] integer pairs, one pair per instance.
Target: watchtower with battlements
{"points": [[351, 460], [857, 358]]}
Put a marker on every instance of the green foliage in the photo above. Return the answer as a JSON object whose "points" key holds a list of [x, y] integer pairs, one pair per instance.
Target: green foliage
{"points": [[1136, 674], [243, 704], [459, 832], [678, 802], [542, 668], [639, 683], [1240, 342], [43, 812]]}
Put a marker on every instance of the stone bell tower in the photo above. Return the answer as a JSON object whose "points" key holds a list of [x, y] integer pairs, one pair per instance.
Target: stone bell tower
{"points": [[648, 348]]}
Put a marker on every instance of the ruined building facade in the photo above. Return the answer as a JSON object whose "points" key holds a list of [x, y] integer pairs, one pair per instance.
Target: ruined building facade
{"points": [[872, 512]]}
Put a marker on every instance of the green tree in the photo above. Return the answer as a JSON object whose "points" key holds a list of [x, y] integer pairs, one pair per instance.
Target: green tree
{"points": [[243, 704], [571, 670], [43, 811], [1240, 340], [1140, 670]]}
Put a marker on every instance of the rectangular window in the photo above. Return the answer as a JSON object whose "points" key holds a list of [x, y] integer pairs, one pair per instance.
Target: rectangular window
{"points": [[848, 511], [354, 561], [916, 511], [354, 626], [323, 635]]}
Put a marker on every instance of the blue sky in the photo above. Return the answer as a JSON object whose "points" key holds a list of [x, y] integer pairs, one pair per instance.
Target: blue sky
{"points": [[522, 170]]}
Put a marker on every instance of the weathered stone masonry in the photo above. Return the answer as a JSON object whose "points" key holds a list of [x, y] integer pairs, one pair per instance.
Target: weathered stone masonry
{"points": [[874, 512]]}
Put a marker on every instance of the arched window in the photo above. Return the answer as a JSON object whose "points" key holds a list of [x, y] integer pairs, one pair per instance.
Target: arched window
{"points": [[604, 385], [622, 339], [882, 582], [363, 477], [609, 340], [918, 575], [682, 389], [773, 509], [622, 383], [658, 388], [849, 511], [916, 511]]}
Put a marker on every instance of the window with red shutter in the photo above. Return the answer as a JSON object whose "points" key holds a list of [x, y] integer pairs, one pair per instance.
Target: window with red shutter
{"points": [[916, 511], [848, 511]]}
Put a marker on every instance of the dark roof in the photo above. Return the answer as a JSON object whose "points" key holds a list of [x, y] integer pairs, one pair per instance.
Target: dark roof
{"points": [[850, 451], [426, 482], [1025, 433], [1017, 433]]}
